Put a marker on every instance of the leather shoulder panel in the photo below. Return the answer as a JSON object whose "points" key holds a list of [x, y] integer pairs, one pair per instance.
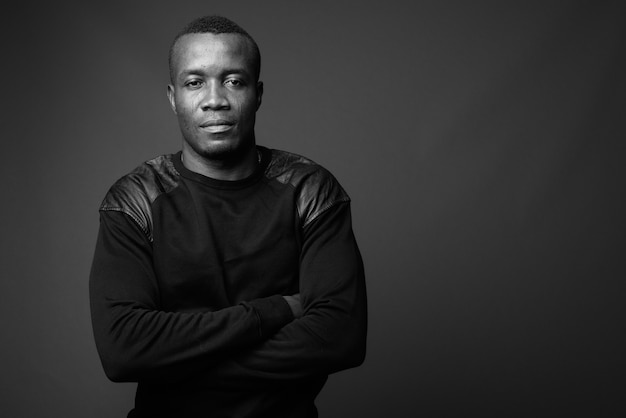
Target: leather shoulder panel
{"points": [[316, 188], [134, 193]]}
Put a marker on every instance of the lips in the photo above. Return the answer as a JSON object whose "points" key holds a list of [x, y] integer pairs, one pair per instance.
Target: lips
{"points": [[217, 125], [216, 122]]}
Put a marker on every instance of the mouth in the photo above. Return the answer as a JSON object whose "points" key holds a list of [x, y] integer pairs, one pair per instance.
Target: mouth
{"points": [[217, 125]]}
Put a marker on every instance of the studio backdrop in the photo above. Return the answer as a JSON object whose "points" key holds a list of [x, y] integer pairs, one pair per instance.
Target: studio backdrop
{"points": [[482, 144]]}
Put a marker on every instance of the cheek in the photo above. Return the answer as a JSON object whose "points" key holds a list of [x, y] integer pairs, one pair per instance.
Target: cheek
{"points": [[185, 113], [185, 119], [248, 108], [185, 105]]}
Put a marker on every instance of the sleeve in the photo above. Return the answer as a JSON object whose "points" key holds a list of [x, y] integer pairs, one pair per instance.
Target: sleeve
{"points": [[331, 334], [138, 341]]}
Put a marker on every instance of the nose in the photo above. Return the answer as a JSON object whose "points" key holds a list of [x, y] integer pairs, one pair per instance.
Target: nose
{"points": [[214, 97]]}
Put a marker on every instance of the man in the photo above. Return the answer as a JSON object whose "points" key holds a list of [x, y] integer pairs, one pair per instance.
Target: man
{"points": [[226, 279]]}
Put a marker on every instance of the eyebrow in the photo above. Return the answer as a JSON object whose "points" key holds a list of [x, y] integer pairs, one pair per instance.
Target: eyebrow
{"points": [[200, 71]]}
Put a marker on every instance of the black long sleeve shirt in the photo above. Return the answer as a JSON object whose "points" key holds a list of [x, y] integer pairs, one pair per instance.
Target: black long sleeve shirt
{"points": [[187, 282]]}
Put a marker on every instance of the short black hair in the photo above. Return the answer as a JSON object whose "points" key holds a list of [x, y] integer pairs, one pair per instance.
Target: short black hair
{"points": [[216, 24]]}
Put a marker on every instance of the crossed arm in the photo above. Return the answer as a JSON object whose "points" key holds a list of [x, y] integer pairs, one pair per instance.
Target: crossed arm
{"points": [[319, 331]]}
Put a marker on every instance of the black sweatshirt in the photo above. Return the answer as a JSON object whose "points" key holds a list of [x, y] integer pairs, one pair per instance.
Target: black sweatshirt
{"points": [[187, 279]]}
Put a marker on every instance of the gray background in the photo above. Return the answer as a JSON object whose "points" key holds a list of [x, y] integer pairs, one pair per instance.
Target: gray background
{"points": [[482, 144]]}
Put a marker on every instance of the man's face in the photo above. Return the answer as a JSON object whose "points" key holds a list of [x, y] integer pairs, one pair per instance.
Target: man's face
{"points": [[215, 94]]}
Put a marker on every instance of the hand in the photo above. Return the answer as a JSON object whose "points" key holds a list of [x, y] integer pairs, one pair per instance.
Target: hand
{"points": [[295, 305]]}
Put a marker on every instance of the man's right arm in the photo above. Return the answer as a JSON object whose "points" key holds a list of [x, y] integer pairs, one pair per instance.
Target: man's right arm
{"points": [[137, 340]]}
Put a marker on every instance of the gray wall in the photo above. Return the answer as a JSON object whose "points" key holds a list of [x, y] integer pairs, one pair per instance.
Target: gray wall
{"points": [[482, 144]]}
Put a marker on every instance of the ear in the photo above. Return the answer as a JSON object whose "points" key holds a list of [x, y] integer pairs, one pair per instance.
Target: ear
{"points": [[259, 94], [170, 96]]}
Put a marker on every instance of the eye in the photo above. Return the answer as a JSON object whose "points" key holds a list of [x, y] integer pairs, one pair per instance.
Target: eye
{"points": [[234, 82], [194, 84]]}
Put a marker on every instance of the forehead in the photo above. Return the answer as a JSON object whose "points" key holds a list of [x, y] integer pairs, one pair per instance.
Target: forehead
{"points": [[208, 49]]}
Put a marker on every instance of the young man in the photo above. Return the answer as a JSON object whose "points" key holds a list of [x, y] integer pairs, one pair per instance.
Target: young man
{"points": [[226, 279]]}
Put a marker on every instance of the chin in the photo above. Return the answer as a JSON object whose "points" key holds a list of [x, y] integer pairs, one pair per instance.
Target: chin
{"points": [[223, 150]]}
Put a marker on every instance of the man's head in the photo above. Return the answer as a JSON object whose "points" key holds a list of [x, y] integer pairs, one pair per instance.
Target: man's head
{"points": [[217, 25], [214, 90]]}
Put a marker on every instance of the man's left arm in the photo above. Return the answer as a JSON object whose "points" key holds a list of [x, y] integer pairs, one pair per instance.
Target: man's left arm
{"points": [[331, 334]]}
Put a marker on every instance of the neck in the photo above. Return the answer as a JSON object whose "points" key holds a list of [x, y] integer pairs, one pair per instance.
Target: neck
{"points": [[229, 169]]}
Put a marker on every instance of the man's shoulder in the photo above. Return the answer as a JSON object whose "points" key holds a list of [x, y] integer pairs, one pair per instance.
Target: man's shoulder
{"points": [[147, 181], [135, 192], [290, 168], [316, 188]]}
